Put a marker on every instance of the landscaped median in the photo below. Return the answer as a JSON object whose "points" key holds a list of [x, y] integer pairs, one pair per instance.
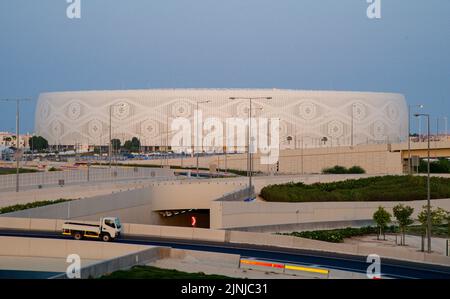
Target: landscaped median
{"points": [[31, 205], [382, 188]]}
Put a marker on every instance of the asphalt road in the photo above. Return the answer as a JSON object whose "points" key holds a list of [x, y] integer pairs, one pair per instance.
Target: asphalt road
{"points": [[390, 268]]}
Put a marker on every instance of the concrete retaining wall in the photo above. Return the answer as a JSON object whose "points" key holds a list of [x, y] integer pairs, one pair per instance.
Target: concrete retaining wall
{"points": [[232, 215], [118, 263], [54, 248]]}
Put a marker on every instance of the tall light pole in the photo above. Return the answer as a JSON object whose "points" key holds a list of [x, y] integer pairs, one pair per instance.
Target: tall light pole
{"points": [[110, 130], [197, 135], [18, 156], [428, 183], [249, 127], [409, 134], [353, 112]]}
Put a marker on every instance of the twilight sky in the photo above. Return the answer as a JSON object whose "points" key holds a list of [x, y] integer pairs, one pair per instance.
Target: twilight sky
{"points": [[295, 44]]}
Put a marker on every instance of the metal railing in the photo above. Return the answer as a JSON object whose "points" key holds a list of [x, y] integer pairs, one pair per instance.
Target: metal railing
{"points": [[92, 174]]}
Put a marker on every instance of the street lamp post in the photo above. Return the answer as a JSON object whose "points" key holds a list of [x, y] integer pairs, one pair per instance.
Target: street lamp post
{"points": [[17, 136], [197, 135], [353, 121], [249, 154], [428, 184], [110, 130], [409, 134]]}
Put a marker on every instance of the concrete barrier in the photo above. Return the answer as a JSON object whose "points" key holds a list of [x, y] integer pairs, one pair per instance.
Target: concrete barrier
{"points": [[208, 235], [119, 263], [142, 229], [15, 223]]}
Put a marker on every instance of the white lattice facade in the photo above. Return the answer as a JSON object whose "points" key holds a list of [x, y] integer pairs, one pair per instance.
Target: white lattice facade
{"points": [[307, 118]]}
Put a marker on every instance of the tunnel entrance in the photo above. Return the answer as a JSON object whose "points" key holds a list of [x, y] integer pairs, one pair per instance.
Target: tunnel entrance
{"points": [[186, 218]]}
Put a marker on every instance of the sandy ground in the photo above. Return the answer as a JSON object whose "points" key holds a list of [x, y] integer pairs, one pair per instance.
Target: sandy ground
{"points": [[413, 243], [38, 263], [225, 264]]}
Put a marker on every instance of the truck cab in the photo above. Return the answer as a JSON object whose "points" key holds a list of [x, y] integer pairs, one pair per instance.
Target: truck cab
{"points": [[110, 226]]}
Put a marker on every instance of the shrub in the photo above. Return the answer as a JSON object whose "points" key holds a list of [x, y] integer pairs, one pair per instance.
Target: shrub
{"points": [[385, 188], [343, 170], [31, 205], [336, 235]]}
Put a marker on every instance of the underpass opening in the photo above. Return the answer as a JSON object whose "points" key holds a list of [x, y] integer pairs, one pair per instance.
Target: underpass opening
{"points": [[186, 218]]}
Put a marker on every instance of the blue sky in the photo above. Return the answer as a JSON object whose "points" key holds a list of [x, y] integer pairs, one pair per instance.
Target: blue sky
{"points": [[297, 44]]}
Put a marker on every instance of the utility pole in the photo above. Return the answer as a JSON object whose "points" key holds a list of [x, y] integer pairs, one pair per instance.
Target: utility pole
{"points": [[428, 185], [409, 134], [249, 140], [18, 155], [197, 135]]}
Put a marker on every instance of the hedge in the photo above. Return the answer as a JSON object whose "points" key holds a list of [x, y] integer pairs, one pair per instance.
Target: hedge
{"points": [[30, 205], [338, 235], [382, 188]]}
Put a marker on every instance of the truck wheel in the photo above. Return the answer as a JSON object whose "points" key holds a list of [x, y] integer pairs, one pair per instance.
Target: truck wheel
{"points": [[106, 238], [77, 236]]}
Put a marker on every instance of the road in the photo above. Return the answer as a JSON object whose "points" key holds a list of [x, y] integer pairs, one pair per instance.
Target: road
{"points": [[389, 268]]}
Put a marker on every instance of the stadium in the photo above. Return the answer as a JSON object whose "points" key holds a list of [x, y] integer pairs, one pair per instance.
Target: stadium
{"points": [[308, 119]]}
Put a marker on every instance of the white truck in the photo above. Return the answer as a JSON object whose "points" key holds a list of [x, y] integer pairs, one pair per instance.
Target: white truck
{"points": [[109, 228]]}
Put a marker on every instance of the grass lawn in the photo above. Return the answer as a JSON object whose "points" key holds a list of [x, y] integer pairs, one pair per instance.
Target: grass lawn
{"points": [[13, 170], [36, 204], [382, 188], [149, 272]]}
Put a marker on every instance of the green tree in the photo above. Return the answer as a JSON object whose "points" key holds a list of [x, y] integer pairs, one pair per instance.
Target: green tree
{"points": [[135, 144], [447, 219], [403, 215], [128, 145], [382, 218], [116, 144], [438, 216], [38, 143], [132, 145]]}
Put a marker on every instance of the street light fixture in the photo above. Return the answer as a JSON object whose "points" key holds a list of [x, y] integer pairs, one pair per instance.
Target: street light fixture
{"points": [[110, 129], [249, 154], [197, 135], [428, 183], [420, 106]]}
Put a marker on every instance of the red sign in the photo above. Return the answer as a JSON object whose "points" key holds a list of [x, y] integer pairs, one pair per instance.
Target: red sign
{"points": [[193, 221]]}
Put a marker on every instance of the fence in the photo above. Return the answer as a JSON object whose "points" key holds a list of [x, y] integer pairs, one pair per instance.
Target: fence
{"points": [[91, 174]]}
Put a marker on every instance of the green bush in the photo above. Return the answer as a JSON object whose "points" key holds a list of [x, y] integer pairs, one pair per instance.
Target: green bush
{"points": [[343, 170], [338, 235], [440, 166], [13, 170], [383, 188], [150, 272], [36, 204]]}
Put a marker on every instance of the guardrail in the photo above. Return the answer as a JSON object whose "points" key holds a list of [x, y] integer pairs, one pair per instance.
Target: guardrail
{"points": [[282, 268], [92, 174]]}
